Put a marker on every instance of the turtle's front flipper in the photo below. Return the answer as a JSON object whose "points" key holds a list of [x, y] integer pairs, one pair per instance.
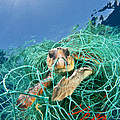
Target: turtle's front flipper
{"points": [[67, 86]]}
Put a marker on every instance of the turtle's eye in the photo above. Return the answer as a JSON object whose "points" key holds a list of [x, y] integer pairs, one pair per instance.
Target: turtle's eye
{"points": [[51, 55], [67, 53]]}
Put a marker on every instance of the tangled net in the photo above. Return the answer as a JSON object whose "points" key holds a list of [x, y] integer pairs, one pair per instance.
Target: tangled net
{"points": [[97, 97]]}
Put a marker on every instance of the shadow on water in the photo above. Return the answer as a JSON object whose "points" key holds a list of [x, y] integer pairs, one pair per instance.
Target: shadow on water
{"points": [[113, 19]]}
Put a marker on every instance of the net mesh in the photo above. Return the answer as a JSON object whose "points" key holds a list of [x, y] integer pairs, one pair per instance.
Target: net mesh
{"points": [[97, 97]]}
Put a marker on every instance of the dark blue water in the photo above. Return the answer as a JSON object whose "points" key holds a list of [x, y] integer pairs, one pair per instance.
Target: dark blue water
{"points": [[23, 20]]}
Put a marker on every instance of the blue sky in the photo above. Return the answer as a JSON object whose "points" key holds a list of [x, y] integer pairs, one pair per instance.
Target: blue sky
{"points": [[23, 20]]}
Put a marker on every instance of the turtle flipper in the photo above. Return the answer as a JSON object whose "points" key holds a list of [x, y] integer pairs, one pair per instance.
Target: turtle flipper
{"points": [[66, 86]]}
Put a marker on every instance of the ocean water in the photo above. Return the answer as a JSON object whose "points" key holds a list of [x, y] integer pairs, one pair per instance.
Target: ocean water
{"points": [[29, 29], [22, 21]]}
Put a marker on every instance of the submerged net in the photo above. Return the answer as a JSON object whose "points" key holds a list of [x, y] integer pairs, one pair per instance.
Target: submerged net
{"points": [[97, 97]]}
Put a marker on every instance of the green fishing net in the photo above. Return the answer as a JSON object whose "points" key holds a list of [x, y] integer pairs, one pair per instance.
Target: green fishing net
{"points": [[97, 97]]}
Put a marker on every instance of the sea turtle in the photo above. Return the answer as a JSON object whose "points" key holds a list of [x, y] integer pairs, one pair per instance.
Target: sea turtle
{"points": [[59, 60], [62, 61]]}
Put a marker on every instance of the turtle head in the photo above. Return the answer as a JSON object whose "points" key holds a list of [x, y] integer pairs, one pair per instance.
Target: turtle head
{"points": [[60, 60]]}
